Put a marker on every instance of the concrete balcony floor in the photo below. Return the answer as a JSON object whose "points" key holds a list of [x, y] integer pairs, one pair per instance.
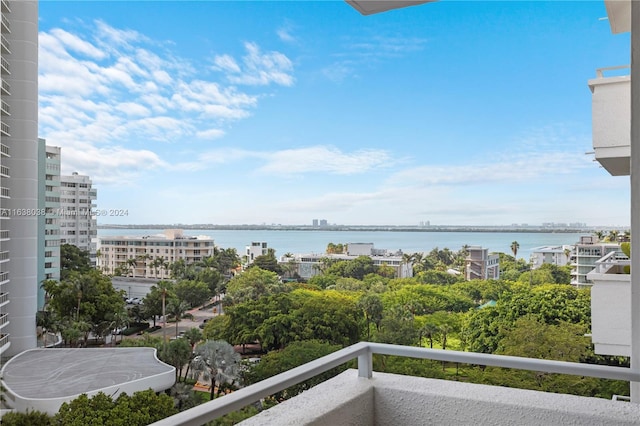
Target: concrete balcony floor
{"points": [[390, 399]]}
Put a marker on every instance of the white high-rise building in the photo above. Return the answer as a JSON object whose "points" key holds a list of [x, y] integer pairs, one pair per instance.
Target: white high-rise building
{"points": [[18, 176], [78, 224], [49, 222]]}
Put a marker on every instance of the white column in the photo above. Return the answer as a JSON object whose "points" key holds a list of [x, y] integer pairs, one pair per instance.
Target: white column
{"points": [[635, 196]]}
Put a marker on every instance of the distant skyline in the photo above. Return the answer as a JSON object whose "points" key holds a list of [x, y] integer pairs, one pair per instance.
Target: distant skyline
{"points": [[453, 113]]}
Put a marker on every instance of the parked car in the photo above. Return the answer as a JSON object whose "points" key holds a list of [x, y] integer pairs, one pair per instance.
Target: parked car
{"points": [[204, 322]]}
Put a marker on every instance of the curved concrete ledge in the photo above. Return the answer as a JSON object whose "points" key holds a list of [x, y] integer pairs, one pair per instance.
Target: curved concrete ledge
{"points": [[44, 379]]}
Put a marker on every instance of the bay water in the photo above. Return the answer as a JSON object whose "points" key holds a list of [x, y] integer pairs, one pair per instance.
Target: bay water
{"points": [[316, 241]]}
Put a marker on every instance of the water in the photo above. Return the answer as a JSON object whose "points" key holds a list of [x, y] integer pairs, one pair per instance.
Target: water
{"points": [[299, 241]]}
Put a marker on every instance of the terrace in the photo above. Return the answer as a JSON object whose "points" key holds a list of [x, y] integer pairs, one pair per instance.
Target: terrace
{"points": [[363, 397]]}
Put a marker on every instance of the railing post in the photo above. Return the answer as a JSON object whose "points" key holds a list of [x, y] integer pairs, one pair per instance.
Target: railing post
{"points": [[365, 364]]}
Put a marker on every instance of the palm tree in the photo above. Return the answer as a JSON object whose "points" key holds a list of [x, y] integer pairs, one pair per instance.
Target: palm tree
{"points": [[131, 264], [183, 396], [177, 309], [599, 235], [429, 331], [514, 248], [217, 362], [164, 287]]}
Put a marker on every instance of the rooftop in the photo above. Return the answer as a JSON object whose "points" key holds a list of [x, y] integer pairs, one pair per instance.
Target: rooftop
{"points": [[43, 379]]}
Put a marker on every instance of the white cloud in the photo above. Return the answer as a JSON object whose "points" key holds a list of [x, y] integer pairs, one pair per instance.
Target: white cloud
{"points": [[284, 34], [210, 134], [226, 63], [259, 69], [78, 45], [114, 86], [315, 159]]}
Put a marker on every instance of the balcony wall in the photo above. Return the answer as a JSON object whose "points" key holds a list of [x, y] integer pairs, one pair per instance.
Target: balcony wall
{"points": [[611, 121], [611, 312], [389, 399]]}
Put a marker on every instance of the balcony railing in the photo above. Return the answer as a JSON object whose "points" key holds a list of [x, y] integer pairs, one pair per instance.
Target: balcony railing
{"points": [[364, 353], [4, 318], [613, 262], [4, 297], [5, 44], [4, 339], [6, 27], [4, 276], [4, 108], [6, 87], [4, 64]]}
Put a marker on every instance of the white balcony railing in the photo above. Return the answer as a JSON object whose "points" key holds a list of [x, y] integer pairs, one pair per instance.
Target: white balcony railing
{"points": [[364, 353], [612, 263]]}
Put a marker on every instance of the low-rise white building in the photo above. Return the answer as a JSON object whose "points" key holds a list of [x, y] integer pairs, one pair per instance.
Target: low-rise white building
{"points": [[150, 256], [257, 248], [553, 255], [307, 265]]}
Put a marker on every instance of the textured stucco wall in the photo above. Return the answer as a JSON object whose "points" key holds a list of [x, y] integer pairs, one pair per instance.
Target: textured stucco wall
{"points": [[390, 399]]}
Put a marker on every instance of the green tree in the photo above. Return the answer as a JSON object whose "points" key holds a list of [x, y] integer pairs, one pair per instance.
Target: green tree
{"points": [[253, 284], [194, 293], [293, 355], [73, 259], [371, 306], [268, 262], [176, 353], [140, 409], [177, 309], [30, 418]]}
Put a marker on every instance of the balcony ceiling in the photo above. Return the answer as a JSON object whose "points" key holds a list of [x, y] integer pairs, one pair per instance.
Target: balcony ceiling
{"points": [[369, 7], [619, 13]]}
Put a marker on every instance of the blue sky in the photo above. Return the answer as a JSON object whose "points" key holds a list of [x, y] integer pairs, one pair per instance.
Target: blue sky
{"points": [[456, 113]]}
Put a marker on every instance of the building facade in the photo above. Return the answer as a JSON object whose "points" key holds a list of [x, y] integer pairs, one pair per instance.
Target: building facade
{"points": [[587, 252], [257, 248], [49, 158], [480, 265], [150, 256], [553, 255], [78, 224], [309, 265], [18, 176]]}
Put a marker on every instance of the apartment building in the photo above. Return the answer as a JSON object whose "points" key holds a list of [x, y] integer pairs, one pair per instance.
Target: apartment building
{"points": [[78, 223], [18, 175], [150, 256], [480, 265], [49, 158], [308, 265], [587, 252], [558, 255]]}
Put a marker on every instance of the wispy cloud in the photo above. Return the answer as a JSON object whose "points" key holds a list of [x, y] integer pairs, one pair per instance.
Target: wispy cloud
{"points": [[314, 159], [285, 33], [258, 68], [101, 87]]}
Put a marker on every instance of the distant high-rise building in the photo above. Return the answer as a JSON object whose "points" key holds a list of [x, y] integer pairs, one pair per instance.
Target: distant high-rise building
{"points": [[315, 222], [49, 222], [18, 176], [78, 224], [323, 222]]}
